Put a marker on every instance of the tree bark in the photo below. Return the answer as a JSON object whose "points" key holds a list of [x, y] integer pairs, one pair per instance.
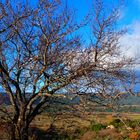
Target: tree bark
{"points": [[20, 131], [23, 135]]}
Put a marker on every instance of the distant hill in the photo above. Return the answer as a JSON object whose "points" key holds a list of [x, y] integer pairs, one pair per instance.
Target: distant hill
{"points": [[126, 102], [130, 100]]}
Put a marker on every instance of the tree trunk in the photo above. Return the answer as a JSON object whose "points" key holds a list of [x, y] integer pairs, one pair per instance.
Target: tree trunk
{"points": [[21, 131], [23, 134], [13, 130]]}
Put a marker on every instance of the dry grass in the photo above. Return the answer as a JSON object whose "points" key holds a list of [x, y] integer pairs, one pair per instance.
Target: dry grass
{"points": [[80, 127], [5, 131], [89, 135], [134, 136], [110, 134], [68, 121], [62, 121]]}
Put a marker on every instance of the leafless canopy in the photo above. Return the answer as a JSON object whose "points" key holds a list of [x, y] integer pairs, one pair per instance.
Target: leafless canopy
{"points": [[40, 55]]}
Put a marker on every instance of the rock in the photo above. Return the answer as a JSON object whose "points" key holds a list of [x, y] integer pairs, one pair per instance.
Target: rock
{"points": [[110, 127]]}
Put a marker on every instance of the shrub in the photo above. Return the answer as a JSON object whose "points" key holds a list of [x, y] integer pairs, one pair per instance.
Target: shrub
{"points": [[116, 123], [89, 135], [133, 123], [134, 135], [79, 131], [97, 127], [110, 134], [5, 131]]}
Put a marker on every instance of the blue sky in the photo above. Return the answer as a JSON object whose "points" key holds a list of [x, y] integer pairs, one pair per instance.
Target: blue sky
{"points": [[129, 18], [129, 12]]}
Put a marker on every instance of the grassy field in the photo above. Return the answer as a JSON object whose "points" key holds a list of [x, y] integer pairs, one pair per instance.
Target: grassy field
{"points": [[86, 126], [90, 126], [84, 120]]}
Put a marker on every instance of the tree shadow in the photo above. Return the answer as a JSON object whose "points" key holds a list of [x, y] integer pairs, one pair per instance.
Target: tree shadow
{"points": [[50, 134]]}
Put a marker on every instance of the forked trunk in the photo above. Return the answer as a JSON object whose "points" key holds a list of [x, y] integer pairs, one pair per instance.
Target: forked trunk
{"points": [[23, 133], [20, 132]]}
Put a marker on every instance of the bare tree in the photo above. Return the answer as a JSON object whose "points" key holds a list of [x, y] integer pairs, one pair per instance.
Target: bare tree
{"points": [[111, 75], [41, 56]]}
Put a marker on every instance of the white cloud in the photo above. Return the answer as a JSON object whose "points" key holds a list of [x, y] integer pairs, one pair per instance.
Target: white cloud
{"points": [[130, 43]]}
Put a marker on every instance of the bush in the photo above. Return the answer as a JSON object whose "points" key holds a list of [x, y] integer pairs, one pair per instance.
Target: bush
{"points": [[97, 127], [89, 135], [134, 135], [116, 123], [5, 131], [109, 134], [133, 123], [79, 131]]}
